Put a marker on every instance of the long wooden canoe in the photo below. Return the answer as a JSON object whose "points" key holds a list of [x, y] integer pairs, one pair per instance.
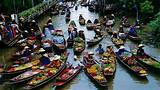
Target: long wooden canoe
{"points": [[132, 65], [67, 75]]}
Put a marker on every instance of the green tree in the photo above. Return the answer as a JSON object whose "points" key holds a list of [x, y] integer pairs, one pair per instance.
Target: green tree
{"points": [[146, 7], [155, 27]]}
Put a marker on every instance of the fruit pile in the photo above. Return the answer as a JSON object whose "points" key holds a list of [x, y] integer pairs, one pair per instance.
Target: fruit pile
{"points": [[150, 61], [43, 76], [117, 41], [23, 66], [78, 44], [95, 72]]}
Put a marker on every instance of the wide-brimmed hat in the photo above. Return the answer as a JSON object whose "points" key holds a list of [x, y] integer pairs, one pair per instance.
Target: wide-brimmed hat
{"points": [[1, 23], [33, 21], [122, 47], [56, 57], [90, 53], [41, 50], [26, 47], [46, 55], [140, 45]]}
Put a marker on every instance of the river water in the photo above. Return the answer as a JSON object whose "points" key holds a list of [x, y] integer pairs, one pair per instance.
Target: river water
{"points": [[123, 80]]}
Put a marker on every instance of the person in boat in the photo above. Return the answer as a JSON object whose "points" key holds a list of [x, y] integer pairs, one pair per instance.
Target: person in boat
{"points": [[32, 34], [50, 25], [98, 33], [21, 24], [81, 34], [121, 50], [74, 32], [47, 45], [76, 7], [109, 49], [34, 26], [90, 58], [100, 50], [26, 52], [96, 21], [132, 31], [121, 33], [44, 60], [140, 50], [80, 17], [114, 35]]}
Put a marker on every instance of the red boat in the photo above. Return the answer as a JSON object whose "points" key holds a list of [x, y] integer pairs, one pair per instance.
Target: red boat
{"points": [[67, 75]]}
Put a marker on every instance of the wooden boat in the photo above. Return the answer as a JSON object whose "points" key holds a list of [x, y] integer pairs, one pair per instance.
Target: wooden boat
{"points": [[54, 69], [97, 24], [72, 23], [149, 62], [63, 12], [19, 69], [132, 65], [82, 21], [67, 18], [135, 39], [94, 41], [59, 41], [89, 25], [78, 45], [24, 76], [71, 26], [108, 63], [93, 71], [91, 8], [70, 42], [67, 75], [117, 42]]}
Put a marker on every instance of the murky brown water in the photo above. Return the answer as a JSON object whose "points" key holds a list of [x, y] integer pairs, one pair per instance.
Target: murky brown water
{"points": [[123, 79]]}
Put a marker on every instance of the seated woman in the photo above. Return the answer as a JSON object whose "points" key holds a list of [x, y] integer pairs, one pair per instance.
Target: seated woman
{"points": [[114, 35], [90, 59], [140, 50], [121, 51], [44, 60]]}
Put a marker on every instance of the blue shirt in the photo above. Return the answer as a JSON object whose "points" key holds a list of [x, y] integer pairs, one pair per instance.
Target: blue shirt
{"points": [[132, 32], [44, 60], [100, 50], [121, 51]]}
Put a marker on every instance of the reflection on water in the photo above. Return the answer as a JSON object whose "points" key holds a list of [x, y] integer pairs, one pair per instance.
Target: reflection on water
{"points": [[123, 79]]}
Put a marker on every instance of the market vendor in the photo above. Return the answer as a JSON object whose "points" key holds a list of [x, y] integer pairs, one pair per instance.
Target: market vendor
{"points": [[100, 50], [44, 60], [140, 50]]}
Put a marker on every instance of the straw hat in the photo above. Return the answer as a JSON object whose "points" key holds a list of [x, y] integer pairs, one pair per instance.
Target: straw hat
{"points": [[81, 31], [122, 47], [41, 50], [90, 53], [1, 23], [42, 67], [46, 55], [33, 21], [26, 47], [56, 57], [98, 30], [140, 45]]}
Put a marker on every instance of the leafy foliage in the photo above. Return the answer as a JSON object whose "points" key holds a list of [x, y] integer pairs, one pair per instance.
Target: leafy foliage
{"points": [[146, 7]]}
